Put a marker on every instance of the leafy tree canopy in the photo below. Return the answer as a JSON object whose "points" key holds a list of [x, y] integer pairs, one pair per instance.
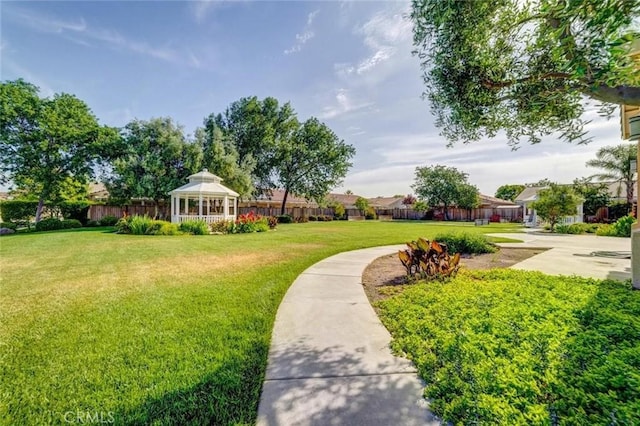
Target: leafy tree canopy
{"points": [[362, 204], [509, 192], [157, 159], [311, 162], [556, 202], [446, 186], [221, 158], [595, 195], [254, 127], [524, 67], [47, 143]]}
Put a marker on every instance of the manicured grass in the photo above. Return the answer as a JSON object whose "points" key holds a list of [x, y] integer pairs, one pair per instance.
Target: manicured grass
{"points": [[520, 348], [155, 329]]}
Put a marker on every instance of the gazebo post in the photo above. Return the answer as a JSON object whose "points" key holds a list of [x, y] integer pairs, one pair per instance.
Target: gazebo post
{"points": [[200, 207], [226, 207]]}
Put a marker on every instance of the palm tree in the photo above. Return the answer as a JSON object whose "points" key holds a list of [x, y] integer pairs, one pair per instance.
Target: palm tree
{"points": [[616, 163]]}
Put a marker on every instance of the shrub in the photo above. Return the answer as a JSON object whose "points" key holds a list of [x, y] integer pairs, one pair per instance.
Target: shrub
{"points": [[250, 222], [284, 218], [221, 226], [272, 221], [123, 226], [576, 228], [49, 224], [605, 230], [466, 243], [616, 210], [429, 260], [313, 218], [370, 213], [622, 227], [339, 211], [161, 227], [108, 221], [75, 210], [71, 224], [18, 210], [194, 227], [92, 224], [141, 225], [301, 219], [9, 225]]}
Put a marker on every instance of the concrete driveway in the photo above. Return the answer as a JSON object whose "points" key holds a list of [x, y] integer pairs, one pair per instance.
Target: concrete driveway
{"points": [[583, 255]]}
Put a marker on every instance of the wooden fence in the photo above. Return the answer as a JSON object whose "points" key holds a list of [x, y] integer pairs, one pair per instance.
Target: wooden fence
{"points": [[96, 212]]}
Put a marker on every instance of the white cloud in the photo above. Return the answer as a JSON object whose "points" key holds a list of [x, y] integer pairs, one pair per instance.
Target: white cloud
{"points": [[342, 104], [81, 33], [383, 35], [307, 34]]}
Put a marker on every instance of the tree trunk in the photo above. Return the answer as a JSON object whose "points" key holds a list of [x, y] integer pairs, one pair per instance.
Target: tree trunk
{"points": [[155, 209], [39, 208], [446, 213], [284, 201]]}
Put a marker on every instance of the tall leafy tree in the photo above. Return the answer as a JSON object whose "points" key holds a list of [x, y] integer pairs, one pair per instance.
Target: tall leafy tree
{"points": [[221, 158], [254, 127], [45, 143], [444, 186], [615, 161], [157, 159], [595, 195], [311, 161], [509, 192], [556, 202], [524, 67]]}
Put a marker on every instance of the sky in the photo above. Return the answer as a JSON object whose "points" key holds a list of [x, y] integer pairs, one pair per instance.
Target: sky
{"points": [[347, 63]]}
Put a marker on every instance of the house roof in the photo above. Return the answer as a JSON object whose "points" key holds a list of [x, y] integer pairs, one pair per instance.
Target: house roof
{"points": [[344, 199], [493, 201], [529, 193], [384, 201]]}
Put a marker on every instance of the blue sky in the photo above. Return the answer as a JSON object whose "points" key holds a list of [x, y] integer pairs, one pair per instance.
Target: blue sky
{"points": [[347, 63]]}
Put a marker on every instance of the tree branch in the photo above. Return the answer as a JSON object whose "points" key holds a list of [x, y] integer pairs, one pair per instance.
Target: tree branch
{"points": [[628, 95], [489, 84]]}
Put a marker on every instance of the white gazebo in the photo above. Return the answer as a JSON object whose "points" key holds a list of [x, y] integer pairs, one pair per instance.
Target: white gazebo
{"points": [[204, 197]]}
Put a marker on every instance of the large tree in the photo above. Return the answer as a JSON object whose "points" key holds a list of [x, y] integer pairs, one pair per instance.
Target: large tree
{"points": [[46, 143], [157, 159], [254, 127], [509, 192], [615, 161], [556, 202], [524, 67], [444, 186], [595, 195], [221, 158], [311, 161]]}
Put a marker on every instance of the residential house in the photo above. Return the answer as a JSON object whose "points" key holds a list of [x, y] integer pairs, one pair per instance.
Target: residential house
{"points": [[531, 219]]}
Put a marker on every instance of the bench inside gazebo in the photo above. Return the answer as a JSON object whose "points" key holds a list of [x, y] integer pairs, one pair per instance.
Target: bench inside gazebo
{"points": [[204, 197]]}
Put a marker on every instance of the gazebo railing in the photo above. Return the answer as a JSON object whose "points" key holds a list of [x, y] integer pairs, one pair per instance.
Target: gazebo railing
{"points": [[207, 218]]}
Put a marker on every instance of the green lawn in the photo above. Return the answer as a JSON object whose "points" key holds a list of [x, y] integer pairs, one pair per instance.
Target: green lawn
{"points": [[512, 347], [156, 330]]}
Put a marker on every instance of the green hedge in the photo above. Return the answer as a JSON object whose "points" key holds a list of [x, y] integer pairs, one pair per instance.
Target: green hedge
{"points": [[18, 210]]}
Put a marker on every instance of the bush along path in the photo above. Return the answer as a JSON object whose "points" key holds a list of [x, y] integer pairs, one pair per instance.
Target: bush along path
{"points": [[516, 347]]}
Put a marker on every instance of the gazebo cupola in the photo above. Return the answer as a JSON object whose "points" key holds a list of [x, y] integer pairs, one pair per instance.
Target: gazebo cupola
{"points": [[204, 197]]}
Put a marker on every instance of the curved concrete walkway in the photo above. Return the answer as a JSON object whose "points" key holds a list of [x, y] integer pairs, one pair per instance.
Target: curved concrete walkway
{"points": [[329, 361]]}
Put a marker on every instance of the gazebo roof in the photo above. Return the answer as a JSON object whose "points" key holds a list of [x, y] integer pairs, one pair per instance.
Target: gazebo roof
{"points": [[205, 183]]}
